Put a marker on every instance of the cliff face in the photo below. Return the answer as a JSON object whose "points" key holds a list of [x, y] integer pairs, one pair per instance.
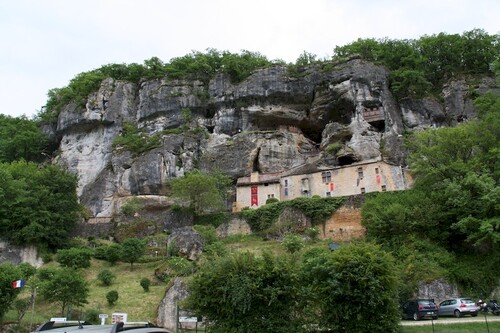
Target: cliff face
{"points": [[270, 122]]}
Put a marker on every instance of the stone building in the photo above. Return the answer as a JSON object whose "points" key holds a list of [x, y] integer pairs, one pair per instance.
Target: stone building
{"points": [[307, 181]]}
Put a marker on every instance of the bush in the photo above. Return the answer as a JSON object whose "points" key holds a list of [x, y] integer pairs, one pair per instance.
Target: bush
{"points": [[145, 283], [292, 243], [112, 297], [74, 257], [92, 316], [207, 232], [215, 250], [113, 253], [106, 277], [312, 233], [272, 200], [131, 206]]}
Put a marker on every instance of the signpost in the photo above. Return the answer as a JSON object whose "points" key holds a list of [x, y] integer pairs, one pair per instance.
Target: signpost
{"points": [[103, 317], [188, 319]]}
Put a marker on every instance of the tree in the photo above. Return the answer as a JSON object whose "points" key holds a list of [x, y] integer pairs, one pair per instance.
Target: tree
{"points": [[64, 286], [145, 283], [106, 277], [246, 293], [112, 297], [21, 139], [203, 193], [353, 289], [38, 204], [113, 253], [74, 257], [132, 250], [8, 274]]}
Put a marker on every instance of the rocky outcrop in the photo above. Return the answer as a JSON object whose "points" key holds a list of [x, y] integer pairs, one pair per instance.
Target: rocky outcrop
{"points": [[270, 122], [439, 290], [167, 310], [19, 254], [185, 242], [235, 226]]}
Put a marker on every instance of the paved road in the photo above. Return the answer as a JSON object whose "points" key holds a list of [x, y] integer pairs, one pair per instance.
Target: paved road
{"points": [[449, 320]]}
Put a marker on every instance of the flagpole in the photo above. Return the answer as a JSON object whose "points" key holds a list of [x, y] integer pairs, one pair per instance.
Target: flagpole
{"points": [[33, 296]]}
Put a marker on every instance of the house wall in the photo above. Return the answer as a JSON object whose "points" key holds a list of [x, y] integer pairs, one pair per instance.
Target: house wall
{"points": [[344, 181], [244, 195]]}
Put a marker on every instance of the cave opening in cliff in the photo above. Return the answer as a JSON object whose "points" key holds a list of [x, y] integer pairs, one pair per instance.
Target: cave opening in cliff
{"points": [[345, 160], [255, 166]]}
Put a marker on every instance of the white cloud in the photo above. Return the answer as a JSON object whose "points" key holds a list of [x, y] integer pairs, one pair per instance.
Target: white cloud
{"points": [[46, 43]]}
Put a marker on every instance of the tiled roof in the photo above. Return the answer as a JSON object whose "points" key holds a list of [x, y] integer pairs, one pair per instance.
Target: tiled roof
{"points": [[263, 178]]}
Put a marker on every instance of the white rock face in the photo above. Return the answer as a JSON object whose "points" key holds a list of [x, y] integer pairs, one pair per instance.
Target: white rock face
{"points": [[19, 254], [86, 155]]}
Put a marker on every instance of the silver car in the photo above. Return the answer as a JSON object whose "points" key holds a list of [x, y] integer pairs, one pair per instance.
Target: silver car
{"points": [[458, 307]]}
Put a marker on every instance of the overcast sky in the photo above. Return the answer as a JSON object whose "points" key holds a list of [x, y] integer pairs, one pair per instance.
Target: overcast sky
{"points": [[45, 43]]}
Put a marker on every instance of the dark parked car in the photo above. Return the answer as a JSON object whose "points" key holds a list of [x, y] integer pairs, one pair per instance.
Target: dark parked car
{"points": [[417, 309], [458, 307]]}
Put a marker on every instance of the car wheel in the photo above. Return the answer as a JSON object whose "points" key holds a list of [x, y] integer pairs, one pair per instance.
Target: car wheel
{"points": [[415, 316], [458, 314]]}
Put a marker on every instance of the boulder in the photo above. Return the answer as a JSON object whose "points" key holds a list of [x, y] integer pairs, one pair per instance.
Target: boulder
{"points": [[235, 226], [185, 242]]}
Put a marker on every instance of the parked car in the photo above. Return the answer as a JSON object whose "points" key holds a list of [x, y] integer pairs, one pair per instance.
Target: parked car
{"points": [[70, 326], [417, 309], [458, 307]]}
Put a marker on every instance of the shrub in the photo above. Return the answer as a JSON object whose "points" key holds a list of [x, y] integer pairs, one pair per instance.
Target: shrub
{"points": [[180, 266], [207, 232], [112, 297], [113, 253], [215, 250], [292, 243], [312, 233], [106, 277], [131, 206], [92, 316], [74, 257], [145, 283], [272, 200]]}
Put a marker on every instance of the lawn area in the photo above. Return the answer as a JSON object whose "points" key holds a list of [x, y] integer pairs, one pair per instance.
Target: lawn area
{"points": [[479, 327], [140, 305]]}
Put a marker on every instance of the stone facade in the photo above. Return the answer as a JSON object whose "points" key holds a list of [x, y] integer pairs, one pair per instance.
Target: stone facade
{"points": [[354, 179]]}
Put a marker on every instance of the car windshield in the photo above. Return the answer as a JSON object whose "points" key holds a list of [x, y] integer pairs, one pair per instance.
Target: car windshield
{"points": [[426, 302], [467, 301]]}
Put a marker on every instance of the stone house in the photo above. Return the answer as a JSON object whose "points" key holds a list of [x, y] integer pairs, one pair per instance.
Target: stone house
{"points": [[307, 181]]}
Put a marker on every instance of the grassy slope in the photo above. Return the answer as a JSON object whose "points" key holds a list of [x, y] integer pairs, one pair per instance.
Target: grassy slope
{"points": [[140, 305]]}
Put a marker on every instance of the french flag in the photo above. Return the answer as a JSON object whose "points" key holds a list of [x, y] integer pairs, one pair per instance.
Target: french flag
{"points": [[18, 284]]}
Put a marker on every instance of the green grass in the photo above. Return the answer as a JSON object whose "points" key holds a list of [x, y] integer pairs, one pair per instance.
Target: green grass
{"points": [[140, 305], [454, 328]]}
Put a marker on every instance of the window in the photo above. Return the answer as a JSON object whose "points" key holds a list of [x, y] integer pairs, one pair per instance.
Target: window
{"points": [[269, 196], [328, 194], [363, 190], [384, 188], [376, 171], [326, 177], [286, 182], [360, 173], [305, 186]]}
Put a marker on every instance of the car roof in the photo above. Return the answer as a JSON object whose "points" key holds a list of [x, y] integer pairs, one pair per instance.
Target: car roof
{"points": [[85, 327]]}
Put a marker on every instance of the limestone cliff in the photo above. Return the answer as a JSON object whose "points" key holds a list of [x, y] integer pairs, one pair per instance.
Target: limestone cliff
{"points": [[270, 122]]}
